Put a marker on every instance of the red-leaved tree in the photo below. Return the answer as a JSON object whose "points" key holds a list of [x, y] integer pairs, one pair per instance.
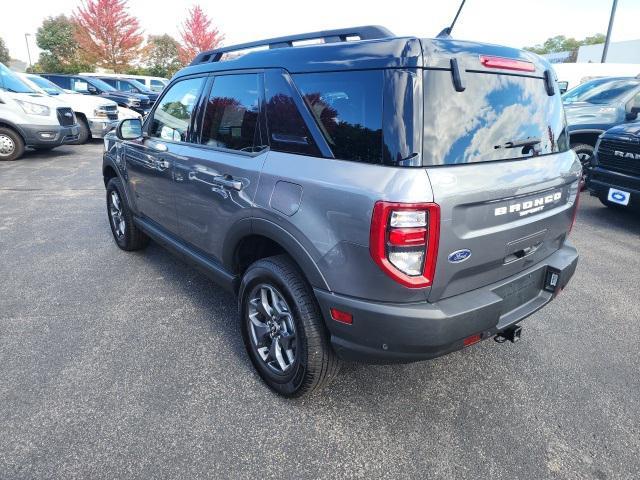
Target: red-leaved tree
{"points": [[107, 34], [197, 34]]}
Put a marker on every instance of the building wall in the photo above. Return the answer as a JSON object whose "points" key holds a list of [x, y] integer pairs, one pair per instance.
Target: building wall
{"points": [[619, 52]]}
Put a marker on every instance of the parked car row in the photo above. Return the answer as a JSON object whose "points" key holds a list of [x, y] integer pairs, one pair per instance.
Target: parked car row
{"points": [[604, 131], [47, 110]]}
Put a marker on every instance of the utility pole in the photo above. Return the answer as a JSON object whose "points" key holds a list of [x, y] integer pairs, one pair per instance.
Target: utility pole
{"points": [[608, 39], [26, 40]]}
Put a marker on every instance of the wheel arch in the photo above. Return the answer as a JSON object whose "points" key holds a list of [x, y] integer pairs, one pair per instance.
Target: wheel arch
{"points": [[589, 137], [12, 126], [253, 238]]}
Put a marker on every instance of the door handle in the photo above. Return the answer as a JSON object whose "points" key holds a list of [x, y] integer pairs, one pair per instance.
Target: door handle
{"points": [[226, 181]]}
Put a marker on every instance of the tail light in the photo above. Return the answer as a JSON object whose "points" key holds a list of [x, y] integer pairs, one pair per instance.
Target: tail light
{"points": [[507, 63], [404, 241]]}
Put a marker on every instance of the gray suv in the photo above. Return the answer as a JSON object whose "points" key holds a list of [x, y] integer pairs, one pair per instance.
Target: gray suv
{"points": [[365, 196]]}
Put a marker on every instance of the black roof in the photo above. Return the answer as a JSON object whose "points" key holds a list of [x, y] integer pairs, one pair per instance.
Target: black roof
{"points": [[376, 48]]}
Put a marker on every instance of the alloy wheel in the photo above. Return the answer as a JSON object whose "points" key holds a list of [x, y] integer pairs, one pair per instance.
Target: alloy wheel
{"points": [[272, 328], [116, 214]]}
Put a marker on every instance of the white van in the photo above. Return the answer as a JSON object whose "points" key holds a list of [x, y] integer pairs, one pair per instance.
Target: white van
{"points": [[96, 116], [31, 119], [571, 75], [156, 84]]}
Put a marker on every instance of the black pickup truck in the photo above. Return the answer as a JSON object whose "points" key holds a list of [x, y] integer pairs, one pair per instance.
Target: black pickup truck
{"points": [[94, 86], [615, 173], [596, 106]]}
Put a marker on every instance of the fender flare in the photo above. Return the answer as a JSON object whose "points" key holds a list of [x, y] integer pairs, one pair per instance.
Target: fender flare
{"points": [[15, 127], [268, 229]]}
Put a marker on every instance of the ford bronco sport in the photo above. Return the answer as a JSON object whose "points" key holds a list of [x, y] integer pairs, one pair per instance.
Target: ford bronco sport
{"points": [[366, 196]]}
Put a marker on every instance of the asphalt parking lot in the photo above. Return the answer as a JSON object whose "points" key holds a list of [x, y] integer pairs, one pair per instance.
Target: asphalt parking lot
{"points": [[130, 365]]}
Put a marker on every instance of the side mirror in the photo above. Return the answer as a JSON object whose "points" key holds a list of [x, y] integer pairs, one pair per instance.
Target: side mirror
{"points": [[129, 129], [92, 90]]}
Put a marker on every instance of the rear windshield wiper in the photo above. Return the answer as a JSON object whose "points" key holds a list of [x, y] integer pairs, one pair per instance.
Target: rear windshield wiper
{"points": [[525, 142]]}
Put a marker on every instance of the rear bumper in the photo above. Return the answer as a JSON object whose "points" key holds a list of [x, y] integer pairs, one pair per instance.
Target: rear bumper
{"points": [[48, 135], [599, 181], [390, 333]]}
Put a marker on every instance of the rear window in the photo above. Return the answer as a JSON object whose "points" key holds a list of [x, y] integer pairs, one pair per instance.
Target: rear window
{"points": [[348, 109], [497, 117]]}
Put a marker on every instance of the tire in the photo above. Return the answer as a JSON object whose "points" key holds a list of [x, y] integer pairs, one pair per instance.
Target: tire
{"points": [[297, 323], [585, 155], [126, 234], [85, 134], [11, 145]]}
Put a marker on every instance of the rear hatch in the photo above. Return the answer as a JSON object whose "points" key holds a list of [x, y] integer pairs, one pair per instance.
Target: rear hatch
{"points": [[497, 155]]}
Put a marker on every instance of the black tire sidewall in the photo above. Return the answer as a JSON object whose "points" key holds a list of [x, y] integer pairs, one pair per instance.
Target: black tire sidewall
{"points": [[18, 142], [289, 384], [85, 133], [115, 184]]}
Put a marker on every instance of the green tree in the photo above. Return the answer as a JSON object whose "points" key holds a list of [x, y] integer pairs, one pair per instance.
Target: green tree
{"points": [[60, 51], [4, 53], [162, 56], [560, 43]]}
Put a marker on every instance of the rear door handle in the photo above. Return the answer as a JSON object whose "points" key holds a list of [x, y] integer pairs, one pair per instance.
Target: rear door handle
{"points": [[225, 181]]}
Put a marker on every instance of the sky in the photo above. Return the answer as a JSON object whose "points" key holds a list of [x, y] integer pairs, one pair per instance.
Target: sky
{"points": [[515, 23]]}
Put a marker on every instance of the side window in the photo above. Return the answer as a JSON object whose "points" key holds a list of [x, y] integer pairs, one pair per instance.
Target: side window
{"points": [[348, 109], [172, 116], [125, 86], [231, 114], [110, 81], [287, 129], [79, 85], [157, 85], [62, 82]]}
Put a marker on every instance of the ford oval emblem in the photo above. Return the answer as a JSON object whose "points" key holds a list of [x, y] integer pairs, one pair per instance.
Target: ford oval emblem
{"points": [[459, 255]]}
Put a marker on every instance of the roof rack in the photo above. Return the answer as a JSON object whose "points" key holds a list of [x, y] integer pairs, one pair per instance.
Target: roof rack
{"points": [[367, 32]]}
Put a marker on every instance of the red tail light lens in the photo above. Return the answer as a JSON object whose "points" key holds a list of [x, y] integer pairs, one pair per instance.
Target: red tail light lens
{"points": [[507, 63], [404, 241]]}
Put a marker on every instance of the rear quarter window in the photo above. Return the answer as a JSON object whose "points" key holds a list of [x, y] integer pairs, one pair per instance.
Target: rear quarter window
{"points": [[348, 109], [497, 117]]}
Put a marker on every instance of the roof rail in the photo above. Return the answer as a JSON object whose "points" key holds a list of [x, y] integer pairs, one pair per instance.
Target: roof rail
{"points": [[367, 32]]}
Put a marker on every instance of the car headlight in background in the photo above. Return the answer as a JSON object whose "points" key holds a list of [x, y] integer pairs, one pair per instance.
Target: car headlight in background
{"points": [[101, 112], [133, 102], [34, 108]]}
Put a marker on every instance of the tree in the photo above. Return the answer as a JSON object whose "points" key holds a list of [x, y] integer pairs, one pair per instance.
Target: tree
{"points": [[4, 53], [107, 33], [60, 51], [162, 56], [197, 34], [560, 43]]}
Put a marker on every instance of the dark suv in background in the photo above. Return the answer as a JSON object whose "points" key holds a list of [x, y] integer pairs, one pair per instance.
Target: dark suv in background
{"points": [[377, 198], [94, 86], [131, 86]]}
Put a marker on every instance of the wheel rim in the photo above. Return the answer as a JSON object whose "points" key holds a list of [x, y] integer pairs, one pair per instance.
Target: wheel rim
{"points": [[584, 157], [7, 145], [115, 213], [272, 329]]}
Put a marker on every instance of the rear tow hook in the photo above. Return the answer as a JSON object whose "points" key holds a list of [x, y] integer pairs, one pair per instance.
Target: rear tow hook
{"points": [[512, 334]]}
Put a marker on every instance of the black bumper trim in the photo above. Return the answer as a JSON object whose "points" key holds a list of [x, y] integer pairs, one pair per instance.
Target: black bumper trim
{"points": [[392, 333]]}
